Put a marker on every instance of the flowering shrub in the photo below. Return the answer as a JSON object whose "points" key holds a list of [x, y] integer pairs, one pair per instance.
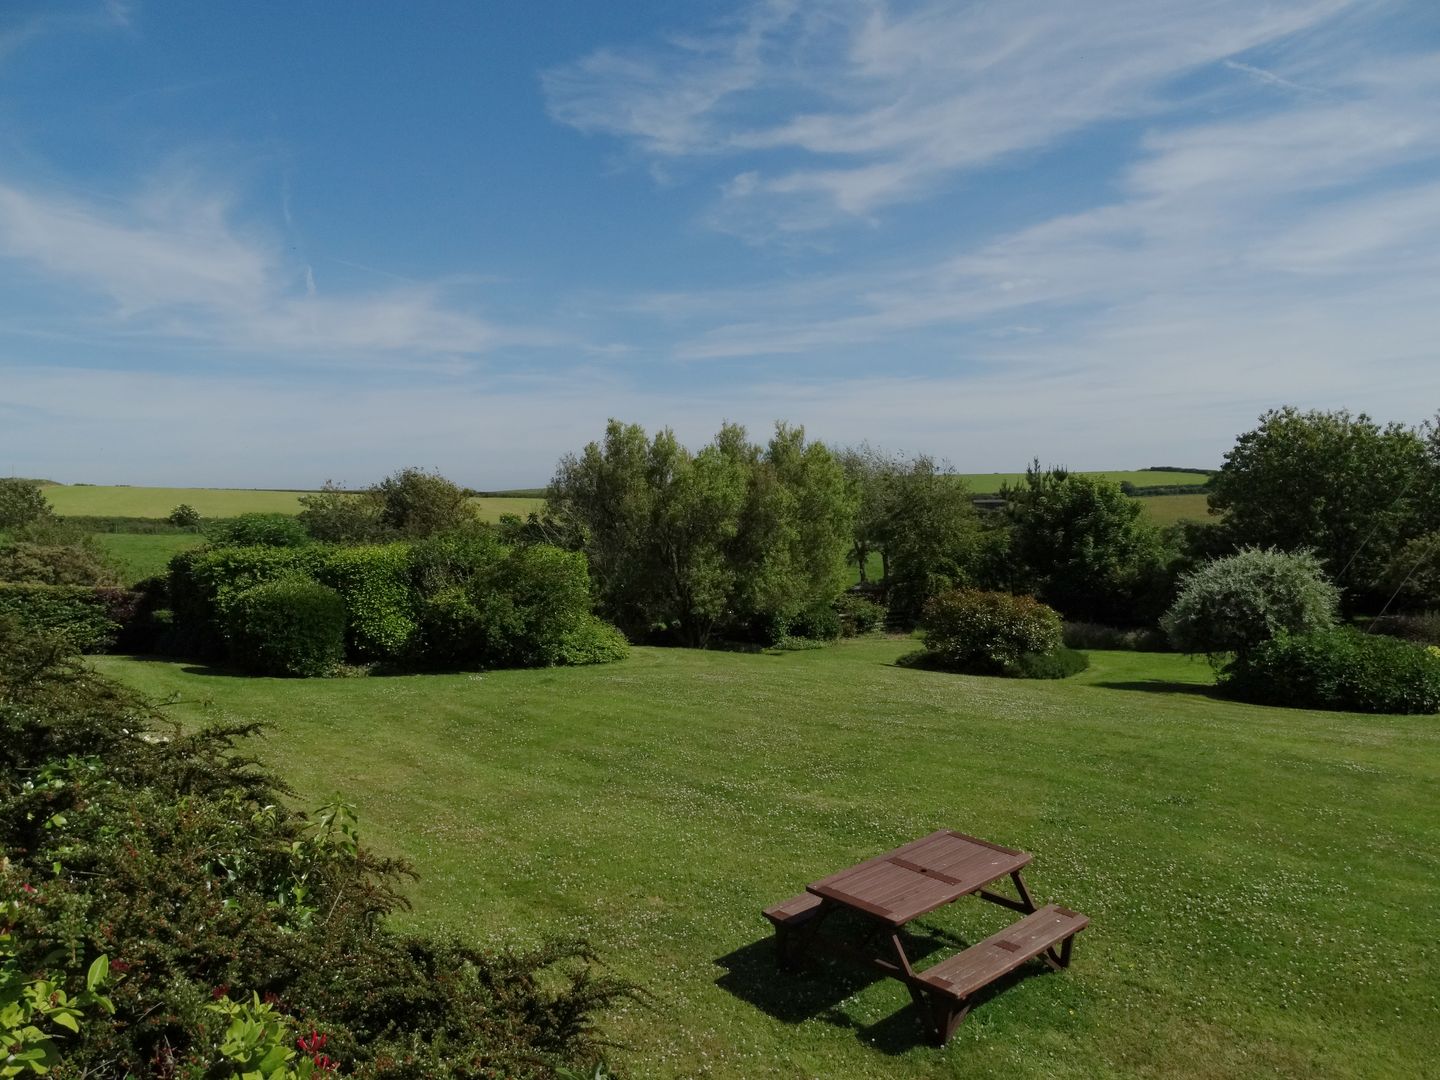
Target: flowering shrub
{"points": [[1233, 604], [987, 632], [33, 1008]]}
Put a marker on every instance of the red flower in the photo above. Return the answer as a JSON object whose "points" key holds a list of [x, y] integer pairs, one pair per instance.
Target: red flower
{"points": [[220, 991], [25, 886]]}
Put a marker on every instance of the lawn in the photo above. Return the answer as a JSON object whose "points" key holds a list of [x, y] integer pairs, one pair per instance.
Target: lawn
{"points": [[157, 502], [1262, 882]]}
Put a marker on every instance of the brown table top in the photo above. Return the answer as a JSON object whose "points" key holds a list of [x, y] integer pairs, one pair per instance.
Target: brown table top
{"points": [[918, 877]]}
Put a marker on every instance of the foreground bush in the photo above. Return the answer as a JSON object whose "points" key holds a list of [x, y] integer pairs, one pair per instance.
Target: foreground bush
{"points": [[1340, 668], [177, 859], [90, 618], [1235, 603], [987, 632], [288, 627]]}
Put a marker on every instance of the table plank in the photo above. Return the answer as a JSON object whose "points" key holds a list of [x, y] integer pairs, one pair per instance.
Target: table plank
{"points": [[918, 877]]}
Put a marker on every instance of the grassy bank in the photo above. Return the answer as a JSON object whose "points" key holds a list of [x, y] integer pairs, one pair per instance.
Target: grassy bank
{"points": [[1261, 881]]}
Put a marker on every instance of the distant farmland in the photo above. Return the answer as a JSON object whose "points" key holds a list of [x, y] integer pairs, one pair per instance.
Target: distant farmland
{"points": [[990, 483], [156, 502]]}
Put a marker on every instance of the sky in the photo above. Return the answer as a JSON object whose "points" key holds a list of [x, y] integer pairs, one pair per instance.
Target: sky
{"points": [[269, 244]]}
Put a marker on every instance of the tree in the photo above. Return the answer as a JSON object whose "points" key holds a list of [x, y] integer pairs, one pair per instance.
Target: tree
{"points": [[684, 544], [930, 535], [1081, 544], [871, 475], [22, 503], [416, 502], [1340, 485], [1233, 604], [336, 516]]}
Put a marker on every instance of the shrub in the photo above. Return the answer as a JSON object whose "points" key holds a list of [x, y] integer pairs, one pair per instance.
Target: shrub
{"points": [[1235, 603], [1422, 627], [203, 583], [592, 641], [986, 632], [185, 864], [81, 563], [821, 623], [1059, 663], [88, 617], [287, 627], [21, 503], [859, 614], [1337, 668], [336, 516], [259, 530], [374, 580], [1083, 635], [184, 516], [527, 603], [417, 502]]}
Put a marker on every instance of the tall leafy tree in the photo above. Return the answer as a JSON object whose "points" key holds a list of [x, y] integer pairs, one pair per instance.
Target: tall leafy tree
{"points": [[1342, 485], [22, 503], [871, 474], [686, 543], [930, 534], [1079, 543]]}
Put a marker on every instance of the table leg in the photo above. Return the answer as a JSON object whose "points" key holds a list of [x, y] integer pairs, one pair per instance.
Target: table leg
{"points": [[1024, 892]]}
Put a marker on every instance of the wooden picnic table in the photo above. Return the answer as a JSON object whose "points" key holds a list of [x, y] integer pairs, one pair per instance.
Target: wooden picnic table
{"points": [[915, 879]]}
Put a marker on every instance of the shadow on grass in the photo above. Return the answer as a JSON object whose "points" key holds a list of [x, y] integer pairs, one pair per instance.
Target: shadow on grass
{"points": [[1163, 686], [819, 989]]}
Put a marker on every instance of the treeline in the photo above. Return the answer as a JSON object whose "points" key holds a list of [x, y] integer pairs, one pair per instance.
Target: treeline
{"points": [[758, 542]]}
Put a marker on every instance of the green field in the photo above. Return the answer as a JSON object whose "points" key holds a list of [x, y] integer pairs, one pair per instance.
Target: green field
{"points": [[989, 483], [144, 555], [1168, 509], [153, 502], [1262, 882]]}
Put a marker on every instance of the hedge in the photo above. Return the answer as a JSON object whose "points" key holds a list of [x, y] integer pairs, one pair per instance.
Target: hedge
{"points": [[90, 617], [374, 581], [288, 627], [1340, 668]]}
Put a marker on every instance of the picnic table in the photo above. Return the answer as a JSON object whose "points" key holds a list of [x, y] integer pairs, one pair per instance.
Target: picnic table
{"points": [[915, 879]]}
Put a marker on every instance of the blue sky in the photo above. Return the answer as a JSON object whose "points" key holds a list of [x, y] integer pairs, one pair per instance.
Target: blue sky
{"points": [[273, 243]]}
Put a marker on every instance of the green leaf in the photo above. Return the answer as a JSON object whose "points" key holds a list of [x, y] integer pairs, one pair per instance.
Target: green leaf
{"points": [[98, 973], [66, 1020]]}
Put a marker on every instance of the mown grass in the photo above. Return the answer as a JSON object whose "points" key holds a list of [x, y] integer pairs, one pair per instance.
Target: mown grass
{"points": [[157, 502], [1262, 881]]}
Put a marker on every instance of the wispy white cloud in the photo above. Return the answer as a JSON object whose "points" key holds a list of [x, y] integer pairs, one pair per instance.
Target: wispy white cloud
{"points": [[882, 103], [172, 262]]}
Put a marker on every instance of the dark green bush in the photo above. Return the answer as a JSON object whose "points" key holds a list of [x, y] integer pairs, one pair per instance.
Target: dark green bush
{"points": [[1422, 627], [374, 580], [1059, 663], [89, 617], [258, 530], [1340, 668], [821, 623], [1083, 635], [288, 627], [203, 583], [528, 603], [986, 632], [859, 614], [21, 502], [176, 857]]}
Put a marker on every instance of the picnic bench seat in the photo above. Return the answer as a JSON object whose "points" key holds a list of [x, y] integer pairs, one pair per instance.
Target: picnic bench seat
{"points": [[953, 980], [789, 915]]}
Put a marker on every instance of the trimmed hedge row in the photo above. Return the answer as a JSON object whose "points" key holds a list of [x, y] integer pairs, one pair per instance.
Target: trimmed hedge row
{"points": [[455, 601], [1340, 668], [90, 617]]}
